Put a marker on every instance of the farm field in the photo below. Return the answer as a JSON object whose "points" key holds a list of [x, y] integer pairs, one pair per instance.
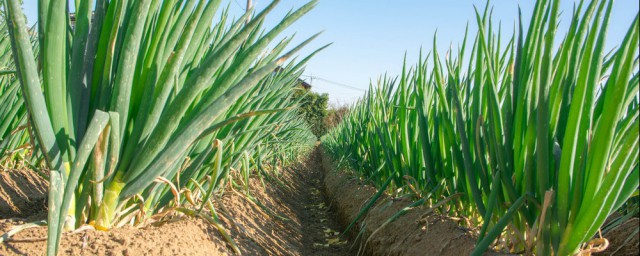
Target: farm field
{"points": [[181, 127]]}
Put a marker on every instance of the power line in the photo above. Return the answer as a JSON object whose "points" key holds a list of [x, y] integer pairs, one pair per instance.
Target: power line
{"points": [[334, 83], [239, 5]]}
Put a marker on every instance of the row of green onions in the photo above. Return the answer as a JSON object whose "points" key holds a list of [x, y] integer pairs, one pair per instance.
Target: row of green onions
{"points": [[14, 137], [145, 106], [539, 133]]}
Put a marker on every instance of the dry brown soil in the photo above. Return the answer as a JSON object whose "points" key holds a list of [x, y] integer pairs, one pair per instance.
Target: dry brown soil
{"points": [[22, 193], [623, 239], [407, 235], [301, 212], [293, 220]]}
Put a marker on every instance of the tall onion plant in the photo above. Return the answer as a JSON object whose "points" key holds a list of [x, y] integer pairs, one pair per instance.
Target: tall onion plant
{"points": [[124, 100], [539, 133], [14, 136]]}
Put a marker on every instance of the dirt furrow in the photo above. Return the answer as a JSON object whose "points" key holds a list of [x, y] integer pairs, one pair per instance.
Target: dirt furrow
{"points": [[282, 214]]}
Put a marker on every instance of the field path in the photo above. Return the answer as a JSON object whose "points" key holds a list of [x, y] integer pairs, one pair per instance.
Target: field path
{"points": [[319, 225], [288, 216], [284, 213]]}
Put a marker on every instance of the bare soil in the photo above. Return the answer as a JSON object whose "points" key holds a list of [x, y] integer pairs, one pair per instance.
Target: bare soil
{"points": [[288, 217], [623, 240], [411, 235], [22, 193], [180, 237], [302, 211], [407, 235], [296, 220]]}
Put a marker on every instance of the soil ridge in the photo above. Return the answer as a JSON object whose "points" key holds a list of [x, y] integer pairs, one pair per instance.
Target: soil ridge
{"points": [[407, 235]]}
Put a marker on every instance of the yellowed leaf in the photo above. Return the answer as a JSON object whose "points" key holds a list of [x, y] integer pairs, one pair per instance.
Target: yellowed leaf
{"points": [[333, 241]]}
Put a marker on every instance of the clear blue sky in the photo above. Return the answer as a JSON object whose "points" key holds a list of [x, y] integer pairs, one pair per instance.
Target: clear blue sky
{"points": [[370, 37]]}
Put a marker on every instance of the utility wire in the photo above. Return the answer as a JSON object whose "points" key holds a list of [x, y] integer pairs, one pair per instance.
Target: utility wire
{"points": [[335, 83], [239, 5]]}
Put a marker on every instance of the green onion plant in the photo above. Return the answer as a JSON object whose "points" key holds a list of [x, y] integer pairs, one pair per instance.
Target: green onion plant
{"points": [[539, 131], [134, 96], [14, 136]]}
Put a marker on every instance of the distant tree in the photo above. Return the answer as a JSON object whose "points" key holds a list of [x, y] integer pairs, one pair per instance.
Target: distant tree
{"points": [[314, 110], [335, 114]]}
